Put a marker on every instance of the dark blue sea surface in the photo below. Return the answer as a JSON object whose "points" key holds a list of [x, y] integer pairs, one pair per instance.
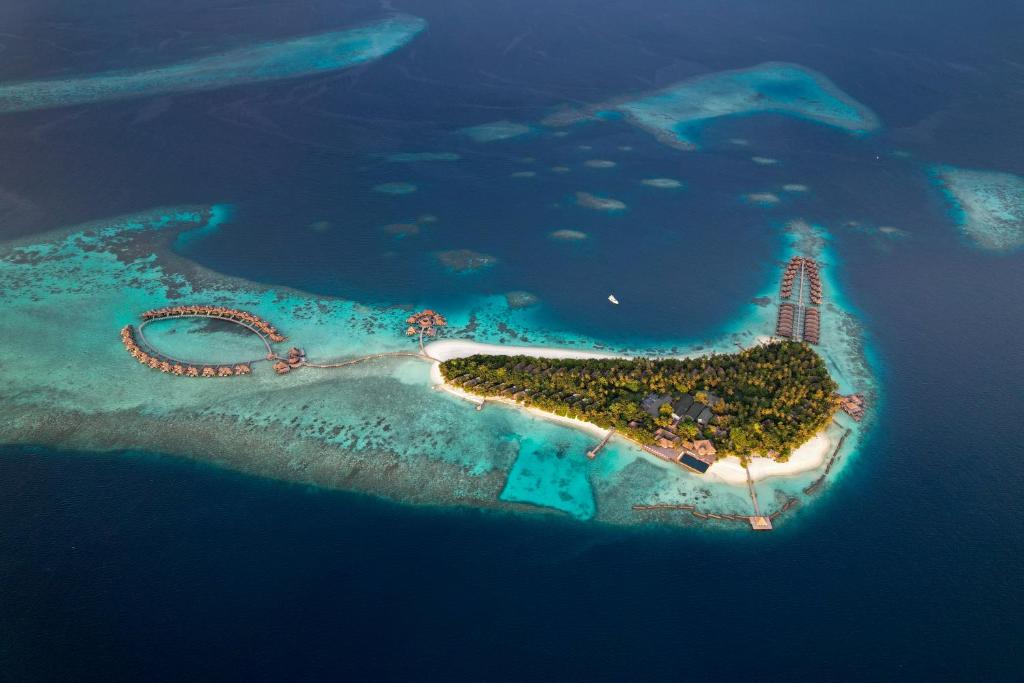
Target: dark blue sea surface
{"points": [[146, 567]]}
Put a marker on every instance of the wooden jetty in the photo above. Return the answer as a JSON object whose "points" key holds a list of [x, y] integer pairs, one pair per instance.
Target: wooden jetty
{"points": [[758, 522], [592, 453]]}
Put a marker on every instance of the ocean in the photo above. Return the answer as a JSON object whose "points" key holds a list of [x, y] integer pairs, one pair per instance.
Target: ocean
{"points": [[141, 566]]}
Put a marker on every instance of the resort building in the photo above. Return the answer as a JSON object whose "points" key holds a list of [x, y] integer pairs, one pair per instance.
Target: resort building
{"points": [[697, 455]]}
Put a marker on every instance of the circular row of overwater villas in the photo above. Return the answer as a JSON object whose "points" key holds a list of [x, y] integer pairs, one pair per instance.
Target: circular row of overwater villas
{"points": [[254, 322], [174, 367]]}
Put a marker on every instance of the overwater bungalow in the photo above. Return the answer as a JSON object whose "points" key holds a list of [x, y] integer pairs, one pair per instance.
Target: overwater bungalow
{"points": [[225, 371], [209, 372], [243, 369], [281, 368], [192, 371], [178, 369]]}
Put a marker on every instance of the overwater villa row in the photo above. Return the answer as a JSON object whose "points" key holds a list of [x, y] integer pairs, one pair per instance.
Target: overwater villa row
{"points": [[798, 319], [255, 322], [171, 366]]}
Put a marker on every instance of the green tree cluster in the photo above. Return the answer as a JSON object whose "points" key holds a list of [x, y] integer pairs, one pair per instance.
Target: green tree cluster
{"points": [[774, 396]]}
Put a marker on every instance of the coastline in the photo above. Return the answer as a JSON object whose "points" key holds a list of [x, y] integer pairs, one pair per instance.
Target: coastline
{"points": [[808, 457], [373, 429]]}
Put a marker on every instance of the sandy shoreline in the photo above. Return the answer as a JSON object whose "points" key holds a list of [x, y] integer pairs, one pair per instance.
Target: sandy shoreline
{"points": [[809, 456]]}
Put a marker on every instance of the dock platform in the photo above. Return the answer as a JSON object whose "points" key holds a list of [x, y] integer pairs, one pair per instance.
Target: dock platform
{"points": [[592, 453]]}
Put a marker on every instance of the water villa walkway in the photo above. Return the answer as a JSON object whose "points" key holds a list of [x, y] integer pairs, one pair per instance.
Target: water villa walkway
{"points": [[141, 349], [592, 453], [799, 318]]}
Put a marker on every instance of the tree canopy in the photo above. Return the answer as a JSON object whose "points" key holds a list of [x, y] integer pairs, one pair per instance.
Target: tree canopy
{"points": [[772, 397]]}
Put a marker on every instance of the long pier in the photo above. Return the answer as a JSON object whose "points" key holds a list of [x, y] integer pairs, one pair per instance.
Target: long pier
{"points": [[592, 453], [758, 522], [363, 359]]}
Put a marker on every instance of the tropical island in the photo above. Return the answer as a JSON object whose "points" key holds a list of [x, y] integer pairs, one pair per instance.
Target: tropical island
{"points": [[766, 400]]}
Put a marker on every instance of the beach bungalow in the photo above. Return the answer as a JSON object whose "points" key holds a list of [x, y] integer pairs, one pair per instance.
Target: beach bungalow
{"points": [[666, 439]]}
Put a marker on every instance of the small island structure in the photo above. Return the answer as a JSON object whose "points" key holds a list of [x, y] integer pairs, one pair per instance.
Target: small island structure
{"points": [[767, 400], [799, 316], [425, 323]]}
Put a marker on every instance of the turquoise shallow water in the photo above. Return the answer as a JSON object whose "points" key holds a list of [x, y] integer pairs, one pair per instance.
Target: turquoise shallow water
{"points": [[341, 428], [488, 546], [269, 61]]}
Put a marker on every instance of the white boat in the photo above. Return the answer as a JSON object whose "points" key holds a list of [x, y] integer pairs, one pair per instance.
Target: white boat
{"points": [[611, 297]]}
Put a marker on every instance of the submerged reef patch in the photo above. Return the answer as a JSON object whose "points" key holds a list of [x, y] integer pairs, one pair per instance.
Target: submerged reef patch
{"points": [[465, 260], [568, 235], [599, 203], [401, 229], [987, 206], [410, 157], [674, 114], [521, 299], [395, 188], [599, 163], [256, 63], [762, 198], [662, 183], [795, 187], [495, 131]]}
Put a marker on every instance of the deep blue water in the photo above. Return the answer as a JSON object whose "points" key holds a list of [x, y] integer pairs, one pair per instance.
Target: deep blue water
{"points": [[130, 567]]}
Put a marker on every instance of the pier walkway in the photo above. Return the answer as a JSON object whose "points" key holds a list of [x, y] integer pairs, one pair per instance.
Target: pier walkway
{"points": [[758, 522], [592, 453], [263, 338], [135, 342], [799, 316]]}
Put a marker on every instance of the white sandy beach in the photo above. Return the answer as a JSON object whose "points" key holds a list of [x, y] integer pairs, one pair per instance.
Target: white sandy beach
{"points": [[810, 456]]}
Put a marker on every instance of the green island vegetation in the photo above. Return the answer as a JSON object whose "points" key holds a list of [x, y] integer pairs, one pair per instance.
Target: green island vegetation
{"points": [[767, 400]]}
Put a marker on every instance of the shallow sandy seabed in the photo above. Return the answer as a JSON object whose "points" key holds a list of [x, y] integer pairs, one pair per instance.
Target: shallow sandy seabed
{"points": [[495, 131], [568, 235], [263, 62], [599, 203], [380, 427], [762, 198], [662, 183], [674, 114], [395, 188], [988, 206]]}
